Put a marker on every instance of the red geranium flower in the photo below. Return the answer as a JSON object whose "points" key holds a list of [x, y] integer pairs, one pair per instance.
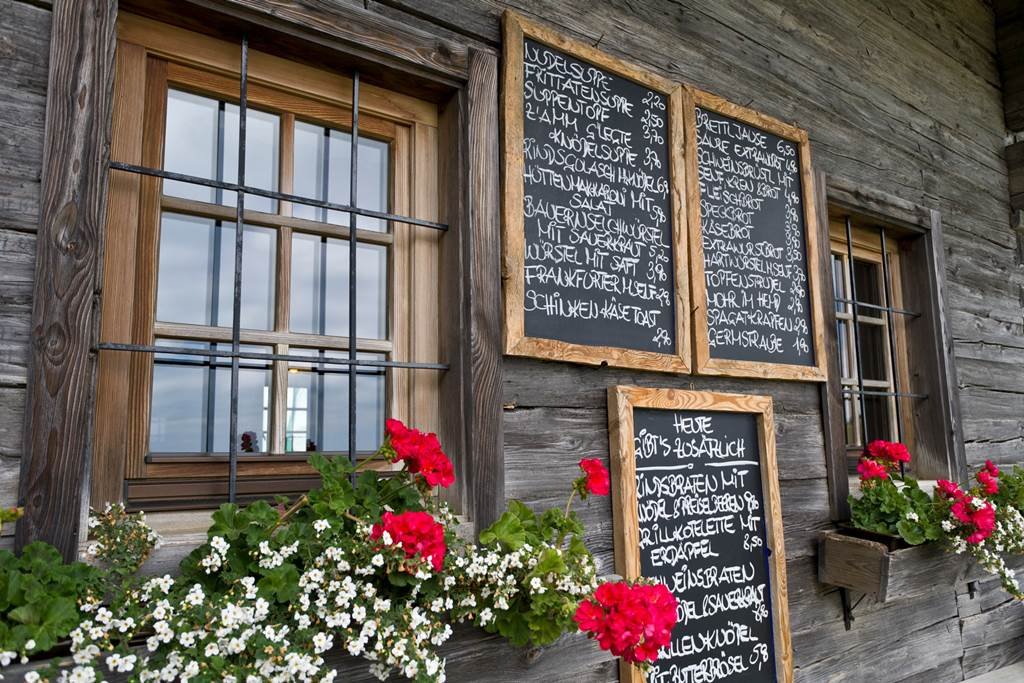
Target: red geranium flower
{"points": [[888, 450], [597, 480], [949, 489], [421, 452], [988, 477], [632, 622], [417, 533], [870, 469]]}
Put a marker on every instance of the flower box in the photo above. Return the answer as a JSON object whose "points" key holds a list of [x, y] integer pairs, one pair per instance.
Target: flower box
{"points": [[884, 566]]}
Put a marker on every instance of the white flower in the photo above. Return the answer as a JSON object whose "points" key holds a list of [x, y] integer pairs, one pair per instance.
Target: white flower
{"points": [[322, 642], [912, 516], [377, 560], [30, 644], [32, 677], [947, 525], [321, 525]]}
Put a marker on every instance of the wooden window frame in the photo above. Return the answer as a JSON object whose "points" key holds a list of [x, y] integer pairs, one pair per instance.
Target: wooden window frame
{"points": [[460, 75], [867, 248], [154, 57], [930, 361]]}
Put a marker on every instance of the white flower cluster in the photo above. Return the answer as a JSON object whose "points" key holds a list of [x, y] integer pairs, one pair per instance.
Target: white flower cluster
{"points": [[1007, 538], [125, 529], [339, 596], [493, 580]]}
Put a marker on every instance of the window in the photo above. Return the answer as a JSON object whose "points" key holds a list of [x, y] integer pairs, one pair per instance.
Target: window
{"points": [[164, 396], [892, 371], [870, 335]]}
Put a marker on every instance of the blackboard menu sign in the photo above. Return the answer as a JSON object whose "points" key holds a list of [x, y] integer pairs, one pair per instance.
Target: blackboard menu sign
{"points": [[593, 241], [753, 242], [697, 507]]}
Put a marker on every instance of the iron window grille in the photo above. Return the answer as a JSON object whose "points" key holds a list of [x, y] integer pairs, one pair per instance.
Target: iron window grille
{"points": [[352, 361], [889, 310]]}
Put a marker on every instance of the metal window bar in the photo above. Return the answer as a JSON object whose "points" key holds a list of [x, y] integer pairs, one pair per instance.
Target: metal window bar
{"points": [[353, 363], [875, 307]]}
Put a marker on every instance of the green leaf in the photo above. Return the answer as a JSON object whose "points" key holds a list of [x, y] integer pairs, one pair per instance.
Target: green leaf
{"points": [[910, 532], [507, 531]]}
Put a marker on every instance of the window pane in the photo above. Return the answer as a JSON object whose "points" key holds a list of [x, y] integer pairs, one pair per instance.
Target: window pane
{"points": [[320, 151], [839, 282], [319, 287], [317, 409], [191, 401], [866, 277], [874, 352], [261, 160], [846, 362], [190, 143], [876, 411], [201, 139], [309, 168], [196, 272], [850, 419]]}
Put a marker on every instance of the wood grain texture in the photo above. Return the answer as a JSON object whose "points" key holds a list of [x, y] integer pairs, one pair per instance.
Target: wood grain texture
{"points": [[483, 390], [70, 240], [622, 400], [517, 343], [704, 362]]}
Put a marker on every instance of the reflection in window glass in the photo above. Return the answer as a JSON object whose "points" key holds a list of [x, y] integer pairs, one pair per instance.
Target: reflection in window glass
{"points": [[317, 405], [323, 162], [191, 401], [874, 352], [319, 287], [201, 139], [197, 267]]}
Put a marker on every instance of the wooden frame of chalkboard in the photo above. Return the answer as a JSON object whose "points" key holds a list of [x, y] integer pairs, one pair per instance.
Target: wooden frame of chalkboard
{"points": [[516, 29], [704, 363], [622, 400]]}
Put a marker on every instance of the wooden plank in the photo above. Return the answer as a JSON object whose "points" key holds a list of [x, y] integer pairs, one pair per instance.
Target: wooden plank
{"points": [[517, 342], [112, 390], [64, 321], [17, 269], [24, 52], [482, 261]]}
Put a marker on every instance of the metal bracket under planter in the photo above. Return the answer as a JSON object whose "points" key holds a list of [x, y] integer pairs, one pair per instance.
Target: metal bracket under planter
{"points": [[856, 561]]}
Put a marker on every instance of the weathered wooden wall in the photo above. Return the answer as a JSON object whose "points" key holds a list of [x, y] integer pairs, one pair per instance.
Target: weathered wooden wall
{"points": [[902, 96]]}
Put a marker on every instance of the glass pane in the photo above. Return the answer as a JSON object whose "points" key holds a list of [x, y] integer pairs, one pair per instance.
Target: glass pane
{"points": [[196, 272], [876, 410], [309, 169], [317, 409], [850, 420], [319, 287], [874, 352], [867, 278], [190, 143], [262, 132], [191, 401], [839, 282], [846, 362], [201, 139], [320, 150]]}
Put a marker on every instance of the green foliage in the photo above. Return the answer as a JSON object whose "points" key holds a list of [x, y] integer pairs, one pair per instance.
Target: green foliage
{"points": [[557, 569], [896, 508], [39, 597]]}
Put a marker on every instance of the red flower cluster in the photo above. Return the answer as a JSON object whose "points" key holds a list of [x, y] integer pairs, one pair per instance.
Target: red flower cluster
{"points": [[632, 622], [421, 452], [416, 533], [880, 459], [871, 469], [888, 451], [597, 480], [979, 519], [988, 477]]}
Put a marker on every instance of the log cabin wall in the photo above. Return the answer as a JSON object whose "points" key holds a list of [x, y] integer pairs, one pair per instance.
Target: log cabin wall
{"points": [[900, 96]]}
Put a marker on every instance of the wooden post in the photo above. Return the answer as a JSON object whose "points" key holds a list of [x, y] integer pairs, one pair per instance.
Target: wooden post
{"points": [[61, 366]]}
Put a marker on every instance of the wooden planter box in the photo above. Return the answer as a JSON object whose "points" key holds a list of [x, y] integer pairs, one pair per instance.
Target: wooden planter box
{"points": [[885, 567]]}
